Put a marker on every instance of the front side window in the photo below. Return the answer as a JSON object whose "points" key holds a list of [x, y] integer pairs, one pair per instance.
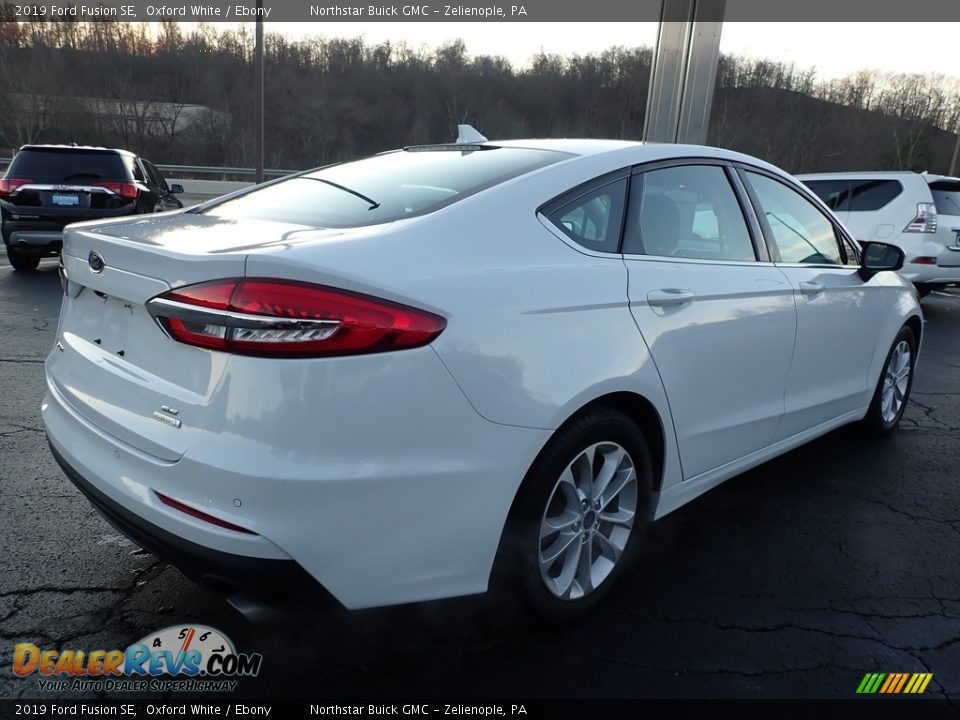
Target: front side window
{"points": [[801, 233], [594, 219], [688, 211]]}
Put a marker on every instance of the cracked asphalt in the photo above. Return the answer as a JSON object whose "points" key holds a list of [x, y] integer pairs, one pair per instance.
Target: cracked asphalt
{"points": [[792, 580]]}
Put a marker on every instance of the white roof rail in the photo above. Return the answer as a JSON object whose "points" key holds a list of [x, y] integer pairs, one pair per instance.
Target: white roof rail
{"points": [[467, 135]]}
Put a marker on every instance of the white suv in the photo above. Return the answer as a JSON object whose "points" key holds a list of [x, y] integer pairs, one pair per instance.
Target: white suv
{"points": [[918, 212]]}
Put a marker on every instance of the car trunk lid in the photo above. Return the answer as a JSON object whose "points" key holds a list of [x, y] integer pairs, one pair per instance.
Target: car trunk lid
{"points": [[113, 364]]}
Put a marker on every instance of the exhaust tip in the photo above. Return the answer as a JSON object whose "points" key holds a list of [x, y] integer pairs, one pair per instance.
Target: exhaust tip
{"points": [[255, 611]]}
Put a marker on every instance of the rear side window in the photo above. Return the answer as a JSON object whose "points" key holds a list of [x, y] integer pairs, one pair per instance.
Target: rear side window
{"points": [[947, 197], [861, 195], [868, 195], [385, 187], [62, 165], [594, 220]]}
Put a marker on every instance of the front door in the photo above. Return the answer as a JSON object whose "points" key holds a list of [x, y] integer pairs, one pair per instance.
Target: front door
{"points": [[838, 314]]}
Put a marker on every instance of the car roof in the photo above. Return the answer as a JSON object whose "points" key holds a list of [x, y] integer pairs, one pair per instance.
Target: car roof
{"points": [[74, 147], [643, 151]]}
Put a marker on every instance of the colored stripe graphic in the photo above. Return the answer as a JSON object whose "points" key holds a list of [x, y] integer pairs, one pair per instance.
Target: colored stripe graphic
{"points": [[886, 685], [912, 683], [894, 683], [901, 682], [874, 685]]}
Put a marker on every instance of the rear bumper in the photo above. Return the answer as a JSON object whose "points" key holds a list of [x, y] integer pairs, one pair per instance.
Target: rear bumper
{"points": [[36, 241], [278, 582], [46, 226], [386, 488], [945, 272]]}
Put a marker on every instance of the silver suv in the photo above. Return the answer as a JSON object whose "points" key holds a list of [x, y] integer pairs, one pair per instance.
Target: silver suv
{"points": [[918, 212]]}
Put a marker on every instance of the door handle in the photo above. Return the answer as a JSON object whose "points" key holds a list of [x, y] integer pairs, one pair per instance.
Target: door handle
{"points": [[810, 288], [669, 297]]}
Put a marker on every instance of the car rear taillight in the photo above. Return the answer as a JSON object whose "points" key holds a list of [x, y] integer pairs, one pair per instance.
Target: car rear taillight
{"points": [[926, 219], [128, 191], [9, 184], [281, 318], [924, 260]]}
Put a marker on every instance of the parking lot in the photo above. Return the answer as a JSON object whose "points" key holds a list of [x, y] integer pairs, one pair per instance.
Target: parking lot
{"points": [[795, 579]]}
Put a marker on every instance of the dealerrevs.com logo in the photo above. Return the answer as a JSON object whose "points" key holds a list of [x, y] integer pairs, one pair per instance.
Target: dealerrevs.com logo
{"points": [[178, 658]]}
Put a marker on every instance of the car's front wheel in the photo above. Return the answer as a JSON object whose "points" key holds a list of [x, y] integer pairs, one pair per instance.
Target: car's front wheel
{"points": [[21, 261], [580, 515], [893, 389]]}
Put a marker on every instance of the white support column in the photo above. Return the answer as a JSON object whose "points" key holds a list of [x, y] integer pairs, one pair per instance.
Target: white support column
{"points": [[684, 71]]}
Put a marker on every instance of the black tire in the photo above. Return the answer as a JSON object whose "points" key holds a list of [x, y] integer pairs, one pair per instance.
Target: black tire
{"points": [[518, 567], [874, 422], [21, 261], [923, 290]]}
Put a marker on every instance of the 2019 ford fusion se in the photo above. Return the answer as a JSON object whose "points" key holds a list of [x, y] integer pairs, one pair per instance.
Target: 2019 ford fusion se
{"points": [[445, 367]]}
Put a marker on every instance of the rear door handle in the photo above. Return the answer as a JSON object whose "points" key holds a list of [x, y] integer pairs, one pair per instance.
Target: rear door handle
{"points": [[810, 289], [669, 296]]}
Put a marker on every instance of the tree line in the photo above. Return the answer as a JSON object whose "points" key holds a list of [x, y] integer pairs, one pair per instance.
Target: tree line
{"points": [[333, 99]]}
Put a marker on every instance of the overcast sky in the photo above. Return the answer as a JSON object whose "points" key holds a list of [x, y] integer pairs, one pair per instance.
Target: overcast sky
{"points": [[833, 48]]}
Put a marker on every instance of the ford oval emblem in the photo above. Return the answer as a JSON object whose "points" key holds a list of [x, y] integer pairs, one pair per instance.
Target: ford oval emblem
{"points": [[95, 260]]}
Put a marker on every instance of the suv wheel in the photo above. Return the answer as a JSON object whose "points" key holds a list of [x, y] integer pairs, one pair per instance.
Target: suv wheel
{"points": [[21, 261]]}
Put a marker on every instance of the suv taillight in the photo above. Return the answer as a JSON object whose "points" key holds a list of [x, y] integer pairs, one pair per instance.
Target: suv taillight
{"points": [[9, 184], [926, 219], [128, 191], [281, 318]]}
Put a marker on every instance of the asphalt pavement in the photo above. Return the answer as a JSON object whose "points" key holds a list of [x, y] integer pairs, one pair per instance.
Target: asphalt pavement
{"points": [[792, 580]]}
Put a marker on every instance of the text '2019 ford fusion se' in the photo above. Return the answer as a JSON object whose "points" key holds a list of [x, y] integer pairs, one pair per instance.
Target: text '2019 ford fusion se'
{"points": [[415, 375]]}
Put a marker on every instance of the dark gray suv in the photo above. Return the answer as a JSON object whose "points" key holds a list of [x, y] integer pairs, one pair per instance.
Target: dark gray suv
{"points": [[47, 187]]}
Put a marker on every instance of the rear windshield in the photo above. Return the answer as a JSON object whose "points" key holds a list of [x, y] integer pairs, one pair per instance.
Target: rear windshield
{"points": [[947, 197], [384, 188], [860, 195], [62, 165]]}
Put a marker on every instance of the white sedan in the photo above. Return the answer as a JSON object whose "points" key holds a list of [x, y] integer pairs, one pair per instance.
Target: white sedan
{"points": [[452, 367]]}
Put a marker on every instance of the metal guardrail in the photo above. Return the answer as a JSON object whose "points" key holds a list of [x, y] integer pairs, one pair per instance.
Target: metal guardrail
{"points": [[213, 170], [191, 170]]}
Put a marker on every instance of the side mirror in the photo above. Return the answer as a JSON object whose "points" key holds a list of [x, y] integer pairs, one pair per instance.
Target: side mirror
{"points": [[877, 257], [176, 189]]}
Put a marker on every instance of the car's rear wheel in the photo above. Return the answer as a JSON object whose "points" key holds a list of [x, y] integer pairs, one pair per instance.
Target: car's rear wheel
{"points": [[22, 261], [893, 388], [580, 515]]}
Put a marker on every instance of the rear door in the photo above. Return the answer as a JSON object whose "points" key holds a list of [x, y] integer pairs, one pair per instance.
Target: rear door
{"points": [[717, 315], [839, 315]]}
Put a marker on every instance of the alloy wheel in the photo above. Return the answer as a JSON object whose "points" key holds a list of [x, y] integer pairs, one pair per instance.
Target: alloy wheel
{"points": [[587, 523], [895, 382]]}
